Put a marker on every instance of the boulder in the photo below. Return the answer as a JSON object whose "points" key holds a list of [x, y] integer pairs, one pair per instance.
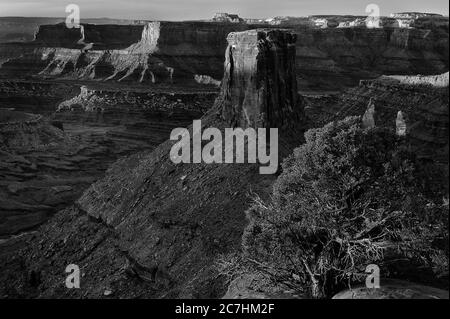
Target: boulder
{"points": [[394, 289]]}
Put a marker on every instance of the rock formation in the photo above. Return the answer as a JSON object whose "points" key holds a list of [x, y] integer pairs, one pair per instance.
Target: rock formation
{"points": [[423, 104], [419, 19], [437, 81], [368, 119], [394, 289], [155, 52], [269, 99], [227, 17], [43, 171], [178, 52], [152, 228], [401, 127], [158, 227], [339, 58]]}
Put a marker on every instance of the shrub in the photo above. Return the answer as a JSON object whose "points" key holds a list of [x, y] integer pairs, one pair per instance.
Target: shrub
{"points": [[347, 198]]}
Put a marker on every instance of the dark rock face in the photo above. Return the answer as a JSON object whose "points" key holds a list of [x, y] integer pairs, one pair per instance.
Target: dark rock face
{"points": [[336, 58], [259, 87], [34, 96]]}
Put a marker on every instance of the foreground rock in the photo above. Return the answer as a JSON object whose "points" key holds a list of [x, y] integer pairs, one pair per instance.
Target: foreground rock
{"points": [[394, 289]]}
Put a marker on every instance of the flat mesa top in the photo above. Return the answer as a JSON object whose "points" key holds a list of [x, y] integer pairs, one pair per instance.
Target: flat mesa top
{"points": [[254, 35]]}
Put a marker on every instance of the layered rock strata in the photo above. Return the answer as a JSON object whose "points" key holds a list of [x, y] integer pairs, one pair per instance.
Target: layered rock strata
{"points": [[157, 52], [269, 99], [187, 53], [422, 101], [156, 226]]}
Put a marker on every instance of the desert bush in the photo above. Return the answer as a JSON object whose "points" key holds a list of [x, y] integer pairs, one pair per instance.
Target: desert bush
{"points": [[347, 198]]}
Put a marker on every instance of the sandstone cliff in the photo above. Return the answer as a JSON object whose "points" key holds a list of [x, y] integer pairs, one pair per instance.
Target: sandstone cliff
{"points": [[269, 99], [335, 58], [155, 52], [422, 101]]}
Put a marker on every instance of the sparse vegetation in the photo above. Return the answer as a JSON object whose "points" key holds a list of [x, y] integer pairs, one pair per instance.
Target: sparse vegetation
{"points": [[347, 198]]}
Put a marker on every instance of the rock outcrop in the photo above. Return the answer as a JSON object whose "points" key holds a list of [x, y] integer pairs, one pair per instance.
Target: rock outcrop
{"points": [[419, 20], [44, 171], [158, 227], [145, 115], [338, 58], [423, 101], [34, 96], [394, 289], [270, 98], [436, 81], [227, 17]]}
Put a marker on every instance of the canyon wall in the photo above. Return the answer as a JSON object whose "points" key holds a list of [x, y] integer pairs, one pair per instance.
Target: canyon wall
{"points": [[185, 53], [422, 102], [42, 173], [155, 52], [34, 96], [332, 58], [270, 99]]}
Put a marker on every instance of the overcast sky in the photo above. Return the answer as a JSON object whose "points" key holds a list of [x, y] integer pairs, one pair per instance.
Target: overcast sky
{"points": [[203, 9]]}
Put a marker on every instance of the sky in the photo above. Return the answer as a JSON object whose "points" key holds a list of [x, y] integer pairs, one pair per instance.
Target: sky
{"points": [[204, 9]]}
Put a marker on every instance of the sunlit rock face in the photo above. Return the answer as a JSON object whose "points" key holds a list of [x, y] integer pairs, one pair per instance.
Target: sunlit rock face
{"points": [[419, 20], [155, 52], [259, 87]]}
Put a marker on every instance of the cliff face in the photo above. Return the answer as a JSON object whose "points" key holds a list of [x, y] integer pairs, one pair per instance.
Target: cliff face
{"points": [[44, 169], [421, 101], [103, 36], [22, 130], [183, 52], [341, 57], [34, 96], [269, 99], [155, 52], [156, 226], [146, 116]]}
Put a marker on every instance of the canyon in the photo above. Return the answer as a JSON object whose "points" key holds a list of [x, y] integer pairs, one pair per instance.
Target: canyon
{"points": [[185, 52], [85, 120]]}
